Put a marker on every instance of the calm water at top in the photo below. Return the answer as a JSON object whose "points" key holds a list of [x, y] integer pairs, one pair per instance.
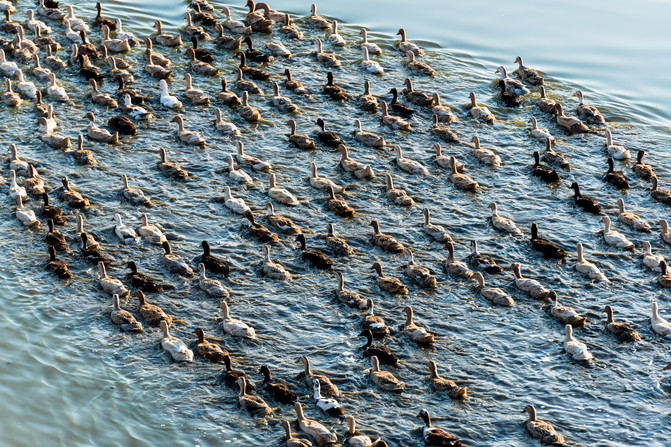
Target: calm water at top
{"points": [[70, 378]]}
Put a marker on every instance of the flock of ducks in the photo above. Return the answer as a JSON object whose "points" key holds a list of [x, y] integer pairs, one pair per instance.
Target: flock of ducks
{"points": [[101, 66]]}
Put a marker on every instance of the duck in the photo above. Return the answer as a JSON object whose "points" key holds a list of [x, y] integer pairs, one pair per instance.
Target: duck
{"points": [[443, 133], [503, 223], [508, 98], [154, 68], [372, 47], [51, 124], [271, 269], [641, 169], [247, 160], [359, 169], [320, 182], [197, 96], [124, 232], [168, 40], [587, 203], [615, 151], [114, 45], [456, 267], [74, 198], [587, 268], [495, 295], [136, 113], [328, 138], [33, 184], [253, 54], [349, 297], [416, 333], [541, 429], [316, 20], [282, 103], [436, 436], [548, 248], [443, 112], [26, 87], [56, 92], [251, 72], [256, 20], [54, 62], [291, 441], [53, 138], [617, 178], [369, 65], [71, 34], [565, 313], [231, 376], [246, 111], [402, 109], [143, 282], [527, 74], [258, 231], [115, 71], [326, 59], [213, 263], [419, 97], [589, 113], [123, 318], [110, 285], [512, 85], [399, 196], [99, 20], [613, 237], [293, 85], [25, 215], [374, 323], [334, 91], [623, 330], [209, 350], [53, 213], [40, 108], [278, 49], [233, 203], [280, 194], [338, 245], [96, 133], [537, 132], [188, 136], [300, 140], [122, 124], [453, 390], [237, 175], [196, 31], [135, 96], [385, 241], [92, 254], [338, 206], [570, 123], [650, 260], [554, 157], [201, 54], [659, 325], [480, 113], [235, 25], [664, 278], [288, 30], [393, 121], [19, 166], [10, 97], [407, 164], [436, 232], [336, 39], [228, 97], [211, 286], [320, 434], [200, 66], [486, 156], [277, 388], [666, 235], [315, 257], [384, 379], [546, 104], [174, 346], [661, 195], [383, 353], [534, 288], [57, 266], [104, 99], [482, 262], [404, 45], [34, 24], [389, 283], [328, 405], [234, 326], [546, 173], [575, 348], [169, 168], [328, 387], [173, 262], [9, 68], [360, 440], [226, 42], [166, 98], [86, 48]]}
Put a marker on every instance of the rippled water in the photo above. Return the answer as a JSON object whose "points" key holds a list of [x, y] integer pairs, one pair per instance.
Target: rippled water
{"points": [[70, 377]]}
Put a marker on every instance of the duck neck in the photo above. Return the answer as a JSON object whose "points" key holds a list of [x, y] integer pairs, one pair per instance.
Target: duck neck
{"points": [[408, 316], [580, 254], [369, 339]]}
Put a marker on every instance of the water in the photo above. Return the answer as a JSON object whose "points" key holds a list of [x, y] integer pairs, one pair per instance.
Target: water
{"points": [[70, 377]]}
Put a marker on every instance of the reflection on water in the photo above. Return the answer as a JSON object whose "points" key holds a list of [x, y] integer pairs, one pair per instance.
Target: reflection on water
{"points": [[70, 378]]}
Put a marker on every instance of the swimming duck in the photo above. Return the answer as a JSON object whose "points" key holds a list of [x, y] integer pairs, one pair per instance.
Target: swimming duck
{"points": [[293, 85], [372, 47], [125, 35], [509, 98], [72, 35], [434, 231], [122, 124], [200, 66], [651, 261], [384, 379], [196, 31], [328, 405], [110, 285], [277, 388], [570, 123], [399, 107], [664, 278], [51, 124], [169, 168], [480, 113], [201, 54], [539, 133], [253, 54], [280, 194], [564, 313], [278, 49], [301, 141], [54, 62], [235, 25], [528, 74], [9, 26], [443, 112], [233, 203], [26, 87], [328, 138], [485, 155], [335, 38], [623, 330], [659, 325], [234, 326], [586, 267], [385, 241], [256, 20], [399, 196], [436, 436], [91, 253], [246, 111], [226, 42], [320, 182], [36, 24], [136, 113], [166, 98], [104, 99], [512, 85], [144, 282], [575, 348], [404, 46], [587, 203], [359, 169], [661, 195], [155, 65], [291, 441], [338, 206], [211, 286], [335, 92], [175, 347], [549, 249], [313, 256], [337, 244], [124, 232], [389, 283], [53, 138], [9, 68], [453, 266], [439, 384], [393, 121], [316, 20], [360, 440], [197, 96], [541, 429], [443, 133], [231, 376], [258, 231], [546, 104], [237, 174], [251, 72], [666, 235], [228, 97], [98, 133], [534, 288], [615, 151], [33, 184], [283, 103], [418, 97], [383, 353], [209, 350], [349, 297], [40, 108], [589, 113], [320, 434], [417, 333], [328, 387], [483, 262], [20, 167], [641, 169], [271, 269], [188, 136], [123, 318], [247, 160], [57, 266], [371, 65], [25, 215], [173, 262], [213, 263], [554, 157], [407, 164], [495, 295], [10, 97], [546, 173], [74, 199], [114, 45], [289, 30], [503, 223], [168, 40], [135, 96], [53, 213], [374, 323], [99, 20], [56, 92], [613, 237], [327, 59]]}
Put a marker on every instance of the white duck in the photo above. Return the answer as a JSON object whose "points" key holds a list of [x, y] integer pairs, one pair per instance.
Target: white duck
{"points": [[503, 223], [167, 99], [110, 285], [370, 65], [335, 38], [281, 194], [14, 189], [237, 174], [211, 286], [9, 68], [659, 324], [271, 269], [631, 219], [19, 166], [26, 87], [125, 35], [75, 23], [234, 204], [235, 25], [176, 347], [613, 237], [150, 232], [615, 151], [328, 405], [372, 47], [586, 267], [25, 215], [55, 91], [188, 136], [575, 348], [407, 164], [36, 24], [124, 232], [136, 113], [72, 35], [234, 326], [534, 288], [538, 132], [651, 261]]}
